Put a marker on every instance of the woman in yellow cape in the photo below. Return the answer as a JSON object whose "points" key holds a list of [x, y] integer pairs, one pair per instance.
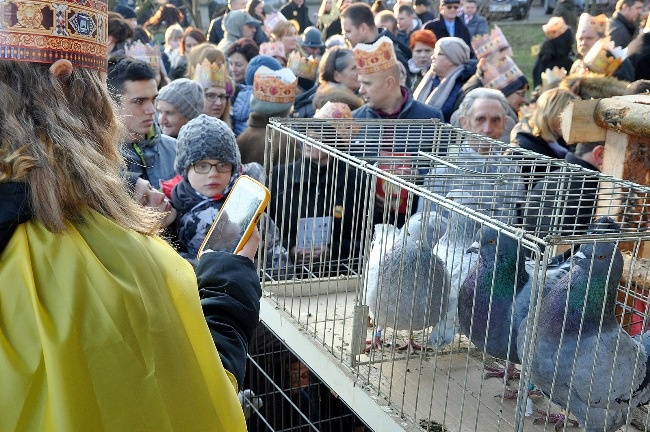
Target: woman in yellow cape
{"points": [[101, 324]]}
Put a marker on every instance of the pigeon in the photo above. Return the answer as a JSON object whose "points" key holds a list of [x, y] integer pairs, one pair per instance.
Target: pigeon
{"points": [[407, 285], [582, 358], [495, 297], [452, 250]]}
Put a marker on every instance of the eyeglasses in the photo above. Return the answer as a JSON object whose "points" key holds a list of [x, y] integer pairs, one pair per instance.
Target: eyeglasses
{"points": [[451, 6], [521, 93], [213, 97], [205, 167]]}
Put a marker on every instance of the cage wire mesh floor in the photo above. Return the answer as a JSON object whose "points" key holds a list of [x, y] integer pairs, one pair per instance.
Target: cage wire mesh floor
{"points": [[367, 240]]}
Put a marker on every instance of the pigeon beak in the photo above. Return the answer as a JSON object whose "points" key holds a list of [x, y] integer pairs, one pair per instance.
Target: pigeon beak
{"points": [[473, 248]]}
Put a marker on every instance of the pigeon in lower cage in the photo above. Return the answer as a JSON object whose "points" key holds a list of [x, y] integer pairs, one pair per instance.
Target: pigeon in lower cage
{"points": [[495, 297], [452, 250], [407, 285], [582, 357]]}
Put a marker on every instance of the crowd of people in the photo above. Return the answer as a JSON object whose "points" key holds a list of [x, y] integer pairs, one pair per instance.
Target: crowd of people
{"points": [[188, 111]]}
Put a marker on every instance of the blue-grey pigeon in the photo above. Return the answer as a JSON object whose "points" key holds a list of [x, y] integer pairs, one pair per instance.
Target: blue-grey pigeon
{"points": [[582, 358]]}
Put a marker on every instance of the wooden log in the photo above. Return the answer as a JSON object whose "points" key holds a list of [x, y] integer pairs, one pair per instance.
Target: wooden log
{"points": [[578, 125], [626, 115]]}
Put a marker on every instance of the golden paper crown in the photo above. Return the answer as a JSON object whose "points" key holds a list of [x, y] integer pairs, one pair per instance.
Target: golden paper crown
{"points": [[487, 44], [145, 52], [551, 76], [334, 110], [555, 27], [210, 74], [273, 49], [377, 57], [41, 31], [274, 86], [604, 58], [597, 23], [500, 73], [303, 67]]}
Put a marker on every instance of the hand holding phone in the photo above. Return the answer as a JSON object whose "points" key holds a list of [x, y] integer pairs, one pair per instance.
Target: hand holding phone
{"points": [[237, 218]]}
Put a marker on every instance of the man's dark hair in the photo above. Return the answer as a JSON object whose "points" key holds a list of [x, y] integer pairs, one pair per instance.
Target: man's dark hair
{"points": [[628, 3], [359, 13], [471, 1], [406, 9], [121, 69], [584, 148]]}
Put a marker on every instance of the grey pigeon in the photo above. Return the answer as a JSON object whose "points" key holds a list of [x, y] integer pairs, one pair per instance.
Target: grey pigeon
{"points": [[452, 250], [582, 358], [495, 296], [407, 286]]}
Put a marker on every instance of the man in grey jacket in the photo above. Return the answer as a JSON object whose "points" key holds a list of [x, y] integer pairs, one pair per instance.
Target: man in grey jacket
{"points": [[149, 154]]}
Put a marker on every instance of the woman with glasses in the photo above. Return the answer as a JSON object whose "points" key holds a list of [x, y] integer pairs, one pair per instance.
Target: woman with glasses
{"points": [[338, 79]]}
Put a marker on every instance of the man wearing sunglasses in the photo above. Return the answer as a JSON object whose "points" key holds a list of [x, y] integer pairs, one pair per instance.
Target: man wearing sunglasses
{"points": [[449, 24]]}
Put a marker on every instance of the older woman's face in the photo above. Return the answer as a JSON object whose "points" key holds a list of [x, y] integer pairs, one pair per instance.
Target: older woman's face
{"points": [[237, 64], [441, 64], [348, 76], [422, 55]]}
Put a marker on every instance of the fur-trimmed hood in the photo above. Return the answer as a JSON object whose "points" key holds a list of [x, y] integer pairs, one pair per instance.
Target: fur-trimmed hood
{"points": [[594, 86], [334, 92]]}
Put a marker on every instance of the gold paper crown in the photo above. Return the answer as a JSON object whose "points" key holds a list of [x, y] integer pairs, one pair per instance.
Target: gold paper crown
{"points": [[597, 23], [501, 73], [334, 110], [273, 49], [41, 31], [145, 52], [210, 74], [555, 27], [303, 67], [604, 58], [551, 76], [270, 87], [488, 44], [377, 57]]}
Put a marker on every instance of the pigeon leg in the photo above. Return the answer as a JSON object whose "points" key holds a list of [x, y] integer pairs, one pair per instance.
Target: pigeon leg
{"points": [[376, 342], [497, 372], [412, 346], [558, 419]]}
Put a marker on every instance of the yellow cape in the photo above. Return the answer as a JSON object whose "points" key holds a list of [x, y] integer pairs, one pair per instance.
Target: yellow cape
{"points": [[101, 329]]}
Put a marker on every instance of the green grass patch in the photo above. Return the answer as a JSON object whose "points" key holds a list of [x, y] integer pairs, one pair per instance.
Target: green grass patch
{"points": [[521, 38]]}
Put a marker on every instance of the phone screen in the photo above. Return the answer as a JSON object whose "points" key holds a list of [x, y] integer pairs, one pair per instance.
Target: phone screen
{"points": [[236, 219]]}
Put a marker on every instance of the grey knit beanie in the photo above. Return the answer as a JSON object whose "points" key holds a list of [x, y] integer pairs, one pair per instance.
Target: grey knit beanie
{"points": [[455, 49], [205, 137], [185, 95]]}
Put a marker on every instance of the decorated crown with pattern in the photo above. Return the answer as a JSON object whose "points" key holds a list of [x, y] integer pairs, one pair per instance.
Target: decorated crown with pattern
{"points": [[597, 23], [376, 57], [555, 27], [145, 52], [500, 73], [303, 67], [41, 31], [604, 58], [273, 49], [487, 44], [334, 110], [210, 74], [275, 86]]}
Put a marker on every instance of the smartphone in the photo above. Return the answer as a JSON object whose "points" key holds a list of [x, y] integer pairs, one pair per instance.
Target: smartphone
{"points": [[236, 220]]}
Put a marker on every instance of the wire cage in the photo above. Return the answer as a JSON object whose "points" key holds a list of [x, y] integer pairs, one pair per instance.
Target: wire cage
{"points": [[375, 220]]}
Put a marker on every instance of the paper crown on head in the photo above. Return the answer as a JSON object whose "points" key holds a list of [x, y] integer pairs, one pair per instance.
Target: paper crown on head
{"points": [[491, 43], [604, 58], [145, 52], [303, 67], [334, 110], [210, 74], [555, 27], [551, 76], [597, 23], [499, 74], [42, 31], [273, 19], [273, 49], [274, 86], [376, 57]]}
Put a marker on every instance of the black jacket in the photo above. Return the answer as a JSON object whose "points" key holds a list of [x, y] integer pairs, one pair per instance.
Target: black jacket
{"points": [[638, 53], [554, 52], [620, 30], [300, 14], [438, 27], [536, 144], [215, 31], [14, 209]]}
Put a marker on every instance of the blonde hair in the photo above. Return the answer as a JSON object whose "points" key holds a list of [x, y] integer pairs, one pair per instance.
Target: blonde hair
{"points": [[282, 29], [61, 137], [549, 106], [203, 51]]}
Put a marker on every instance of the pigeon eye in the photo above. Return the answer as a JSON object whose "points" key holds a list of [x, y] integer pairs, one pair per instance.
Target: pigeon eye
{"points": [[601, 257], [491, 241]]}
